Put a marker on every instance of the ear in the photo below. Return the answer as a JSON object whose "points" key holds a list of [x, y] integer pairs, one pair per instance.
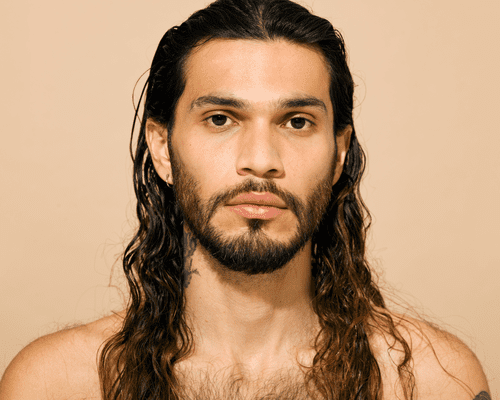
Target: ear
{"points": [[156, 137], [343, 140]]}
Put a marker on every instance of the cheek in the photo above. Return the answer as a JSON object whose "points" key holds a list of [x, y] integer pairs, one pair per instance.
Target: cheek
{"points": [[312, 166], [207, 165]]}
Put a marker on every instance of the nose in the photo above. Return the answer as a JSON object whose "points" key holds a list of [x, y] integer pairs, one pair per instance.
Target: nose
{"points": [[259, 153]]}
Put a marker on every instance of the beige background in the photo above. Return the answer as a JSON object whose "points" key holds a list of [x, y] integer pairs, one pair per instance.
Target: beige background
{"points": [[428, 113]]}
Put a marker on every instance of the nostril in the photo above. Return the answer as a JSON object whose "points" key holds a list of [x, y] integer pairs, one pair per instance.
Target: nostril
{"points": [[271, 173]]}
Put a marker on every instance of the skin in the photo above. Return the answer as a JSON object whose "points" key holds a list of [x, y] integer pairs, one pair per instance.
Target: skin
{"points": [[258, 321], [247, 325]]}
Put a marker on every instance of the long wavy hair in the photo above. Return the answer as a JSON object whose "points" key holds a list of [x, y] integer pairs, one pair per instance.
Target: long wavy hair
{"points": [[138, 361]]}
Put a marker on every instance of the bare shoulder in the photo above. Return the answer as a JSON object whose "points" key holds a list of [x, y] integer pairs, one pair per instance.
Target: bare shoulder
{"points": [[444, 367], [62, 365]]}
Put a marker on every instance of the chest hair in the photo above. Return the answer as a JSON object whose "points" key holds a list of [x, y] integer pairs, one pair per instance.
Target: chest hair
{"points": [[231, 386]]}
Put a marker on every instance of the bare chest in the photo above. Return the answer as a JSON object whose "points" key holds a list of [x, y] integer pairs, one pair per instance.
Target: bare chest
{"points": [[223, 386], [213, 387], [284, 385]]}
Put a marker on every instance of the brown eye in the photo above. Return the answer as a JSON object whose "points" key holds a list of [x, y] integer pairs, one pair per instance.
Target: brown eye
{"points": [[219, 120], [299, 123]]}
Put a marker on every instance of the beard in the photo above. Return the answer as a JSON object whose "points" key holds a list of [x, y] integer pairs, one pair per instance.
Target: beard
{"points": [[252, 252]]}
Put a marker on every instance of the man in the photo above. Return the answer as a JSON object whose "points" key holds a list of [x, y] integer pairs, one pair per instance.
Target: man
{"points": [[248, 275]]}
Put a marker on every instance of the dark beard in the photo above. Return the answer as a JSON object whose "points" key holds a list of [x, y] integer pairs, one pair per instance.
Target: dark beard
{"points": [[252, 252]]}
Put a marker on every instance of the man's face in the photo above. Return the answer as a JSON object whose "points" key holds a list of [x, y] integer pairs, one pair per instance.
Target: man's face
{"points": [[255, 121]]}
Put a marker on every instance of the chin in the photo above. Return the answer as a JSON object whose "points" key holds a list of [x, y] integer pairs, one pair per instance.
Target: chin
{"points": [[252, 252]]}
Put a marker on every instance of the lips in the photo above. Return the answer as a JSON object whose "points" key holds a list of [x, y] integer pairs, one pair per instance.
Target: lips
{"points": [[257, 205], [265, 199], [252, 211]]}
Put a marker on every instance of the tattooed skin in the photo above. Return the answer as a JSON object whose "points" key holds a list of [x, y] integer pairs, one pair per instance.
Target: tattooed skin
{"points": [[482, 396], [190, 244]]}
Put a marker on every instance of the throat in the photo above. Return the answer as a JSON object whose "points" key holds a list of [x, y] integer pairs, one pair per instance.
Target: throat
{"points": [[238, 316]]}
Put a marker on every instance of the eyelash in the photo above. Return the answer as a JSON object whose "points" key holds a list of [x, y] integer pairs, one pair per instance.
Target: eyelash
{"points": [[207, 120], [311, 124], [211, 124]]}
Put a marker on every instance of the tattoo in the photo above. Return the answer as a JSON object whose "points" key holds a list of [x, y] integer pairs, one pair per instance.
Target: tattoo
{"points": [[482, 396], [190, 244]]}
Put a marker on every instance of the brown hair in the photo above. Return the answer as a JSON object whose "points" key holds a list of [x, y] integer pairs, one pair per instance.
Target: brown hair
{"points": [[138, 362]]}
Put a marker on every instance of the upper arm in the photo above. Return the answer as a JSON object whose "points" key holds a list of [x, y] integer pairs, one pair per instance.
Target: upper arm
{"points": [[29, 375], [445, 368], [56, 366]]}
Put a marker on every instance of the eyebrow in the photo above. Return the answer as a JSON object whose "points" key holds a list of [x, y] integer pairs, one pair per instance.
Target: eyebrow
{"points": [[218, 101], [302, 102], [283, 104]]}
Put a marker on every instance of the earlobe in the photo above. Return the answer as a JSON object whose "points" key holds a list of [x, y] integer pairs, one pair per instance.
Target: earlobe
{"points": [[156, 137]]}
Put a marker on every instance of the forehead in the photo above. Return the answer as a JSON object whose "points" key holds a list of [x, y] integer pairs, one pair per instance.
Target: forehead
{"points": [[256, 71]]}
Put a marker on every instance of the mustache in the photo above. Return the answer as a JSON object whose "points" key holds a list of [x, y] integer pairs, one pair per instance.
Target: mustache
{"points": [[249, 185]]}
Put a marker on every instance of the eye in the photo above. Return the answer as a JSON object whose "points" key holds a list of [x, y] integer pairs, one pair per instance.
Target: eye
{"points": [[218, 120], [298, 123]]}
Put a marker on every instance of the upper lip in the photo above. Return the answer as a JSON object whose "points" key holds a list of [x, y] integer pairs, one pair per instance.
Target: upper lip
{"points": [[261, 199]]}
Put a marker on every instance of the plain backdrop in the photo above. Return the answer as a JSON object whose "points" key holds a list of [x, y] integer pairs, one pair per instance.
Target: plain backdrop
{"points": [[427, 112]]}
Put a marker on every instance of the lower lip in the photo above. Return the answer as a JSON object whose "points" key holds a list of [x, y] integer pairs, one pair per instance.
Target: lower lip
{"points": [[256, 212]]}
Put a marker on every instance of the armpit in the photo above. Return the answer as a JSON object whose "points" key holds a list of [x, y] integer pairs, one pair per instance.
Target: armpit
{"points": [[482, 396]]}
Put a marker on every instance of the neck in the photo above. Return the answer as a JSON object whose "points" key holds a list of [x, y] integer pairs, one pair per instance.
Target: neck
{"points": [[257, 320]]}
